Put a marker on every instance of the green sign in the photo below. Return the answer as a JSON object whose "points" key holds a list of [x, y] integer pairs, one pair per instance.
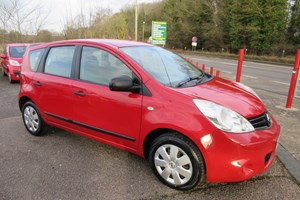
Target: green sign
{"points": [[159, 33]]}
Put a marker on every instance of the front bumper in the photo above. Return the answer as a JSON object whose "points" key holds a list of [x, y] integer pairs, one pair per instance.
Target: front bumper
{"points": [[237, 157], [15, 73]]}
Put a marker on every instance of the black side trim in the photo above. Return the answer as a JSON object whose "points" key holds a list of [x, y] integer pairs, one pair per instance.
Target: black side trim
{"points": [[91, 127]]}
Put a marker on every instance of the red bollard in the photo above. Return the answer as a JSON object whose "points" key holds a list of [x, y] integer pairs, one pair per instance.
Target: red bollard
{"points": [[240, 65], [211, 71], [203, 67], [293, 80], [197, 65], [218, 73]]}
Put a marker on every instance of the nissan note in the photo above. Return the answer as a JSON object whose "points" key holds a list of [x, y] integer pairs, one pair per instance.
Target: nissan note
{"points": [[191, 126]]}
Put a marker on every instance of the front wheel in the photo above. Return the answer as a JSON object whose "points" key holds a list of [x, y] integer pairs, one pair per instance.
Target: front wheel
{"points": [[33, 120], [176, 161], [2, 72], [9, 78]]}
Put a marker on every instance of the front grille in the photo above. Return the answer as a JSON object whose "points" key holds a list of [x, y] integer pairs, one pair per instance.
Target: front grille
{"points": [[261, 122], [17, 73]]}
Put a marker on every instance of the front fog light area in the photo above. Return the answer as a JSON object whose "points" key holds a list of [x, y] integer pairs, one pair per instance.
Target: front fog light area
{"points": [[223, 118]]}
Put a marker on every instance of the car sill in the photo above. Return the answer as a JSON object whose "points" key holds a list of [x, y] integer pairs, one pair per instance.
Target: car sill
{"points": [[91, 127]]}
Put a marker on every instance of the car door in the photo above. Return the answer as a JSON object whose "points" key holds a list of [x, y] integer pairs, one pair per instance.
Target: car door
{"points": [[110, 116], [52, 85]]}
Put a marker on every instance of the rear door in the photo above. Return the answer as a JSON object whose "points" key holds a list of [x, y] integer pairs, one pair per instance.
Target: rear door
{"points": [[52, 83], [114, 117]]}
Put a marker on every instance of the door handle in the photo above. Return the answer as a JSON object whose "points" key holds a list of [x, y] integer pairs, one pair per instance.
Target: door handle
{"points": [[78, 93], [37, 83]]}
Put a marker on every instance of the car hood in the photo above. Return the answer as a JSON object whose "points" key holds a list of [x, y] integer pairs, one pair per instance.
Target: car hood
{"points": [[228, 94]]}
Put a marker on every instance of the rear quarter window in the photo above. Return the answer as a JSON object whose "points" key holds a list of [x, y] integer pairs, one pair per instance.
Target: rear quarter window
{"points": [[35, 58]]}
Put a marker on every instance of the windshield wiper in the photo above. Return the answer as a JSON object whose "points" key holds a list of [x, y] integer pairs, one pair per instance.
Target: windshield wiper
{"points": [[199, 78]]}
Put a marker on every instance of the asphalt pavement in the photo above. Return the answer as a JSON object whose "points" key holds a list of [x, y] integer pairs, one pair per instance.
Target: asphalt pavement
{"points": [[271, 77], [62, 165]]}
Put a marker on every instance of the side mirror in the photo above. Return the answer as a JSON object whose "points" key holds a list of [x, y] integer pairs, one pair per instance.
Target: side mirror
{"points": [[123, 84], [3, 56]]}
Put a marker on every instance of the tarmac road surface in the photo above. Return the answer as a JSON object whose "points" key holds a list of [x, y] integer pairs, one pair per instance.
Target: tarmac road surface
{"points": [[62, 165]]}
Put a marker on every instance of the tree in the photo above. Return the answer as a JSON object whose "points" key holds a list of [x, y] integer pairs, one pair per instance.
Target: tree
{"points": [[257, 24], [6, 11], [43, 36], [294, 26], [19, 16]]}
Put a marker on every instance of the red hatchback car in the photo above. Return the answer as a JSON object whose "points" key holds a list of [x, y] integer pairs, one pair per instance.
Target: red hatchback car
{"points": [[11, 61], [151, 102]]}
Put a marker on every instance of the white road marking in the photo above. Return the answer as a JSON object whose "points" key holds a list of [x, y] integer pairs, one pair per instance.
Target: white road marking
{"points": [[280, 82], [250, 76], [287, 71], [264, 64], [200, 59], [227, 72], [284, 69], [226, 63]]}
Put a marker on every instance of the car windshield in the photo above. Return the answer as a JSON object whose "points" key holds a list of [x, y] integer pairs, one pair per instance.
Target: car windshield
{"points": [[17, 51], [164, 66]]}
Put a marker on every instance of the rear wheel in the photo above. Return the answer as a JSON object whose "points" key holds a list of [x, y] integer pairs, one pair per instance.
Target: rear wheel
{"points": [[176, 161], [33, 120]]}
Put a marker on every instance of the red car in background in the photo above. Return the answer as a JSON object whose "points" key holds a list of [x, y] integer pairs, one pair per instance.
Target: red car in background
{"points": [[12, 59]]}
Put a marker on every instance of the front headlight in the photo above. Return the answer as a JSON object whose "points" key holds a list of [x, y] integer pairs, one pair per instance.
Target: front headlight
{"points": [[14, 63], [223, 118]]}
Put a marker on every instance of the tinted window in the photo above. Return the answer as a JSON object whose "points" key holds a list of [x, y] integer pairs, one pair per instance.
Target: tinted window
{"points": [[59, 61], [17, 52], [99, 66], [34, 58]]}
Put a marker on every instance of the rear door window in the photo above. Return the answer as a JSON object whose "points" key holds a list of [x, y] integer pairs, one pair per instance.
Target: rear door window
{"points": [[59, 61], [35, 58]]}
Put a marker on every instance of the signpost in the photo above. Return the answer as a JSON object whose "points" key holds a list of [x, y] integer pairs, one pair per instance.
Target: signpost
{"points": [[194, 43], [159, 33]]}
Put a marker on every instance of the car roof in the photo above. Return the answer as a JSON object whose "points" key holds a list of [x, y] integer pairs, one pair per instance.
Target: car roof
{"points": [[108, 42], [120, 43]]}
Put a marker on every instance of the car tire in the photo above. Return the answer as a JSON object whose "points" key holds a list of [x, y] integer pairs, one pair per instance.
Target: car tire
{"points": [[2, 72], [9, 78], [32, 119], [176, 161]]}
